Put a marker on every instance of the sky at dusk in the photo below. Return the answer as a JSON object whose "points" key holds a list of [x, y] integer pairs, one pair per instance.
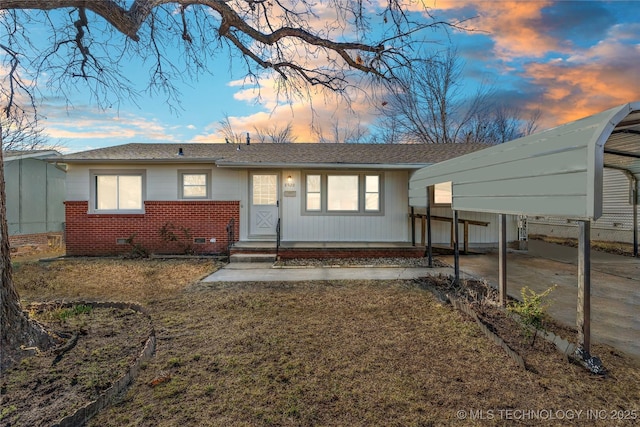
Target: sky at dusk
{"points": [[569, 59]]}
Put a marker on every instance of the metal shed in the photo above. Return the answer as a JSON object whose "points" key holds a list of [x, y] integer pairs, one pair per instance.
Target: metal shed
{"points": [[558, 172], [35, 191]]}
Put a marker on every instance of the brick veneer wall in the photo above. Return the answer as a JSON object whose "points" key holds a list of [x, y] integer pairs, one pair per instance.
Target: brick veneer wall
{"points": [[97, 234]]}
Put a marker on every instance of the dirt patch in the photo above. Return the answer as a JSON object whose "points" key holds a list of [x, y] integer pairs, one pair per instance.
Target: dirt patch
{"points": [[31, 254], [46, 387], [483, 299]]}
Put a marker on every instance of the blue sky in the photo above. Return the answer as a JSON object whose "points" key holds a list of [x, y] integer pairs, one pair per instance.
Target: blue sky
{"points": [[568, 59]]}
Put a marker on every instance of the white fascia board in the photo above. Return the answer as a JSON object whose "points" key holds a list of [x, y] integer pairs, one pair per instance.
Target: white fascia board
{"points": [[131, 161], [401, 166]]}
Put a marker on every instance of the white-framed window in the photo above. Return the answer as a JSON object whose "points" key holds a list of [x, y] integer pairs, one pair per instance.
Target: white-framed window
{"points": [[194, 184], [335, 193], [372, 193], [313, 195], [442, 194], [264, 190], [117, 191], [342, 193]]}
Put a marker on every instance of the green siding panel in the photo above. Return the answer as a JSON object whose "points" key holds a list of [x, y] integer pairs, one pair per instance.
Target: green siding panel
{"points": [[558, 172], [35, 196], [563, 206], [12, 189]]}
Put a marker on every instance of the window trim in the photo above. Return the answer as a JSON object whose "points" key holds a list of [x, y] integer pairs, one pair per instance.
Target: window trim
{"points": [[94, 173], [324, 211], [182, 172]]}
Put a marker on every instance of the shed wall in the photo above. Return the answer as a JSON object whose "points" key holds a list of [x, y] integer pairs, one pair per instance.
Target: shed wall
{"points": [[35, 196]]}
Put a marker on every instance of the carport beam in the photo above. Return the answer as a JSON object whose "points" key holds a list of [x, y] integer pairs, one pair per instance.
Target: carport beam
{"points": [[584, 286], [502, 258]]}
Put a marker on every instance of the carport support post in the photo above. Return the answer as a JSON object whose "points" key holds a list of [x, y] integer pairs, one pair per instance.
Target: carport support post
{"points": [[584, 286], [413, 227], [456, 250], [502, 258], [634, 198], [429, 247]]}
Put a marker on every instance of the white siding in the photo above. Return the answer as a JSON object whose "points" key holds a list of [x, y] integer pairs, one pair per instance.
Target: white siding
{"points": [[392, 226], [77, 183], [243, 183], [161, 180]]}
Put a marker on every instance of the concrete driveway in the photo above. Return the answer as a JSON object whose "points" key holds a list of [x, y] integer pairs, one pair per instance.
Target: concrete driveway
{"points": [[615, 287]]}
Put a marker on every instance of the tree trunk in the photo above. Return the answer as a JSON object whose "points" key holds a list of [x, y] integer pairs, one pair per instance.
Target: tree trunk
{"points": [[16, 329]]}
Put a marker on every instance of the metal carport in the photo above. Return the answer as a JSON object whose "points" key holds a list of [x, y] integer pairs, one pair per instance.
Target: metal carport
{"points": [[558, 172]]}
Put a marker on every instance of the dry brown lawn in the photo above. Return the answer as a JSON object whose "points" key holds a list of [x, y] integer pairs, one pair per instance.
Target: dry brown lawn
{"points": [[317, 353]]}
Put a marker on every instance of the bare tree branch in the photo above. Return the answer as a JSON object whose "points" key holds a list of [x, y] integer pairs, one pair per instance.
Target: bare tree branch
{"points": [[275, 134], [267, 33], [226, 129], [427, 104]]}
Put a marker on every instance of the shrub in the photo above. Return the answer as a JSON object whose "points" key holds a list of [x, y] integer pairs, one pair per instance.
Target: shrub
{"points": [[532, 310]]}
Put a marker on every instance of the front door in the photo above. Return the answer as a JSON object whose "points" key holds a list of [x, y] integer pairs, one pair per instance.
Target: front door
{"points": [[263, 215]]}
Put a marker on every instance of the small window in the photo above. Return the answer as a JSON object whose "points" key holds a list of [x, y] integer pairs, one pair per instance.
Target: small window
{"points": [[194, 184], [265, 190], [117, 191], [442, 193], [313, 193], [372, 193]]}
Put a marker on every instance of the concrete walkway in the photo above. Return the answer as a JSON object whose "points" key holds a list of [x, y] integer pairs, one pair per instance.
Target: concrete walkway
{"points": [[615, 284], [264, 272]]}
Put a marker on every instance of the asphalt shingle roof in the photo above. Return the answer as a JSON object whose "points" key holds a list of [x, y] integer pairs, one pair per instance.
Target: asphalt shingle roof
{"points": [[277, 154]]}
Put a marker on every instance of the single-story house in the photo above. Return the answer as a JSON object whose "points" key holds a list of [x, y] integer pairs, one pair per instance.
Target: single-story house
{"points": [[303, 199], [35, 192]]}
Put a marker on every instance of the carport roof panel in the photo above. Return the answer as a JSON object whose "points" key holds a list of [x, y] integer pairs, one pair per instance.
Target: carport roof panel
{"points": [[557, 172], [622, 150]]}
